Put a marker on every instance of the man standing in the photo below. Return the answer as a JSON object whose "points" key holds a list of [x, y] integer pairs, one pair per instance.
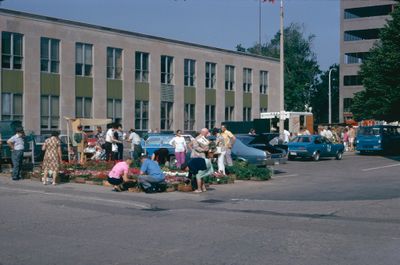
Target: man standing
{"points": [[17, 144], [229, 139], [150, 173], [110, 139], [136, 148]]}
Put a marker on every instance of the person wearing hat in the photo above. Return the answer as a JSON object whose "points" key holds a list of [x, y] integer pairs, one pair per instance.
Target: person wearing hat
{"points": [[17, 146]]}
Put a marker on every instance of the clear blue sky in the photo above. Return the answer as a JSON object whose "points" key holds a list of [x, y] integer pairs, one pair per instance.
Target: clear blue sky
{"points": [[218, 23]]}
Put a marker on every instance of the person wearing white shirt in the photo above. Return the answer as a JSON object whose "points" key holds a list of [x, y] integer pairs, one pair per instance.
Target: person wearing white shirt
{"points": [[17, 145], [134, 139], [286, 136], [179, 143], [110, 139]]}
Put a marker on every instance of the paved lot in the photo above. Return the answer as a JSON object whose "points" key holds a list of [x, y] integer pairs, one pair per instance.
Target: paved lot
{"points": [[328, 212]]}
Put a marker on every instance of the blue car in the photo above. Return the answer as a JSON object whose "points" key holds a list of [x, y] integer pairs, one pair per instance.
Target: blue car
{"points": [[315, 147], [378, 138], [157, 141]]}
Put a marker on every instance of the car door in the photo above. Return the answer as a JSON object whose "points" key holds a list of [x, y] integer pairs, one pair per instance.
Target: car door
{"points": [[320, 145], [328, 146]]}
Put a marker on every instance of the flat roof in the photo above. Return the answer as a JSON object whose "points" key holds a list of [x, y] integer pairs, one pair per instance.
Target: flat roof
{"points": [[129, 33]]}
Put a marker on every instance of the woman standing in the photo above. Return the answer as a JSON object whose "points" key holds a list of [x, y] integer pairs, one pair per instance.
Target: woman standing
{"points": [[52, 157], [221, 150], [179, 143]]}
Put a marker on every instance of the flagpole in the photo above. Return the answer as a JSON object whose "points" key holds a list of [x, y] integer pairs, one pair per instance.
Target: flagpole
{"points": [[259, 27], [281, 83]]}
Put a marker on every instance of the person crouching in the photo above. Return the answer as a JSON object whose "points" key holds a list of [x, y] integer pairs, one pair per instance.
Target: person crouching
{"points": [[119, 174], [150, 173], [200, 168]]}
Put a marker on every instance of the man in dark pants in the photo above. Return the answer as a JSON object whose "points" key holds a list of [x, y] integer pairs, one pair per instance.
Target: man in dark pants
{"points": [[17, 145]]}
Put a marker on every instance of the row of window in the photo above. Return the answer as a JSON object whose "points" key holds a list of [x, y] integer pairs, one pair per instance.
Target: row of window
{"points": [[368, 11], [12, 107], [355, 58], [364, 34], [12, 58], [352, 80]]}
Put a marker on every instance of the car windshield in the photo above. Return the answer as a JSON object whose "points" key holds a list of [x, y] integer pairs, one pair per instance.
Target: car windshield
{"points": [[302, 139], [245, 139], [369, 131]]}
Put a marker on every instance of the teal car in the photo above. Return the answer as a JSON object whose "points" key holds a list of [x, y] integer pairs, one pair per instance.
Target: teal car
{"points": [[314, 147]]}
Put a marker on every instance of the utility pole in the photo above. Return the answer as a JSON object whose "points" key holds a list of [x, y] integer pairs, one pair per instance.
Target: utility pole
{"points": [[330, 96], [282, 82]]}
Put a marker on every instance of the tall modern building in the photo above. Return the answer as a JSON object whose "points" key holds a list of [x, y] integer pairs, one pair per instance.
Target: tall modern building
{"points": [[360, 23], [53, 68]]}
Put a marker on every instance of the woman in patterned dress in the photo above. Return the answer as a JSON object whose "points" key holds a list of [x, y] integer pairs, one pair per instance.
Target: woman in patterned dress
{"points": [[52, 157]]}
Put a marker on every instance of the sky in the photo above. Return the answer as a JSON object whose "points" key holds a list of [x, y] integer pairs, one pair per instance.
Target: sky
{"points": [[217, 23]]}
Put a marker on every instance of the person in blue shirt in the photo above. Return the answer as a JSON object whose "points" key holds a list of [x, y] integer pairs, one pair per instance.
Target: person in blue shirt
{"points": [[17, 146], [150, 173]]}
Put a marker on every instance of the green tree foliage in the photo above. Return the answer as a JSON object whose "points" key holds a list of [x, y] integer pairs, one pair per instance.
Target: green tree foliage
{"points": [[301, 68], [380, 73], [320, 100]]}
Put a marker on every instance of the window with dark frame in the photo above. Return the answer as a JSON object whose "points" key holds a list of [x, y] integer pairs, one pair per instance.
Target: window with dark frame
{"points": [[263, 82], [142, 67], [247, 80], [141, 115], [166, 115], [83, 59], [189, 117], [189, 72], [11, 106], [49, 55], [167, 70], [210, 116], [11, 50], [114, 63], [229, 77], [210, 75]]}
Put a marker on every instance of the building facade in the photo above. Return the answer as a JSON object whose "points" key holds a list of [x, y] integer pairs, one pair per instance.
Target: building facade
{"points": [[360, 23], [54, 68]]}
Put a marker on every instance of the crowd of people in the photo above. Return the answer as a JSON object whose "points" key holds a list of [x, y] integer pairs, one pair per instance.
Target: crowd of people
{"points": [[203, 149], [109, 146]]}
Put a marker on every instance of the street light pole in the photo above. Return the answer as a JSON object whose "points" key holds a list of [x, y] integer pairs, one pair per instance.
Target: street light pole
{"points": [[282, 83], [330, 96]]}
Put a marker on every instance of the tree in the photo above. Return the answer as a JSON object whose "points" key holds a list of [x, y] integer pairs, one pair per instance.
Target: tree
{"points": [[301, 68], [380, 76], [320, 100]]}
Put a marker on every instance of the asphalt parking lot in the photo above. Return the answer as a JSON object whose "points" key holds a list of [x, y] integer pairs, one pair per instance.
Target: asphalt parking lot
{"points": [[326, 212]]}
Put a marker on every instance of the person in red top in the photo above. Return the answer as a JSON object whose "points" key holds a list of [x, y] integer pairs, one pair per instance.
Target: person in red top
{"points": [[119, 174]]}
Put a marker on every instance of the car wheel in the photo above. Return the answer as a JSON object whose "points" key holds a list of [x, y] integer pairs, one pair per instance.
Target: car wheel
{"points": [[291, 158], [316, 156], [339, 155]]}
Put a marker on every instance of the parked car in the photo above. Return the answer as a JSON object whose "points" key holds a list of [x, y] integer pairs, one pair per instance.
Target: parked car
{"points": [[251, 155], [315, 147], [157, 141], [378, 138], [7, 130], [274, 154], [38, 141]]}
